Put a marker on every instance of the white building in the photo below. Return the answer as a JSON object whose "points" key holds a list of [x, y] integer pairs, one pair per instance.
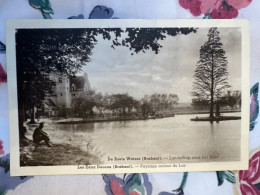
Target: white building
{"points": [[65, 89]]}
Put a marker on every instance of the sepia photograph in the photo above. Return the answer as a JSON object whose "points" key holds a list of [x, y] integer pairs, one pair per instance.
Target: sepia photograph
{"points": [[113, 96]]}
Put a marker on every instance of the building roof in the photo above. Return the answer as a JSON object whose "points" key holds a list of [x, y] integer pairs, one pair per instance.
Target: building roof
{"points": [[78, 82], [50, 103]]}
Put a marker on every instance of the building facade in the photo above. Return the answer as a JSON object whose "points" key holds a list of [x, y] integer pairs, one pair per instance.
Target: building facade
{"points": [[64, 91]]}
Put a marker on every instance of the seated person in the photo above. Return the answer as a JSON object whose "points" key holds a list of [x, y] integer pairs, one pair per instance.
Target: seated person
{"points": [[39, 135]]}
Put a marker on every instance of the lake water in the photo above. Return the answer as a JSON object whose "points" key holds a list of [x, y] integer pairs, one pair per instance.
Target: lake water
{"points": [[175, 139]]}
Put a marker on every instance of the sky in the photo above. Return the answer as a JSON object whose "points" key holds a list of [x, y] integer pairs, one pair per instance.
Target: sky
{"points": [[170, 71]]}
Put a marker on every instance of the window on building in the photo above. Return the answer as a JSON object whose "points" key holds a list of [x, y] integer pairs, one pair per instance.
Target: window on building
{"points": [[73, 94], [73, 87], [60, 94], [60, 80]]}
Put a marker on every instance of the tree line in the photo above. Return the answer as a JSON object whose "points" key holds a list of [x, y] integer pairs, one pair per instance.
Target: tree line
{"points": [[230, 99], [121, 104]]}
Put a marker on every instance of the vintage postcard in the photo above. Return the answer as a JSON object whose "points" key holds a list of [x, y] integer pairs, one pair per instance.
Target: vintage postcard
{"points": [[122, 96]]}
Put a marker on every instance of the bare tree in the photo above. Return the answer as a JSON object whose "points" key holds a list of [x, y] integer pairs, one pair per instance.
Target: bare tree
{"points": [[211, 74]]}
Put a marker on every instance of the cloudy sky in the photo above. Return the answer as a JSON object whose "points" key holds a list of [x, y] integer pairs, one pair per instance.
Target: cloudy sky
{"points": [[170, 71]]}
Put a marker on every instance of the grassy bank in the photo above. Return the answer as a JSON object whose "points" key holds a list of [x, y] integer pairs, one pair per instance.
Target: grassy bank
{"points": [[109, 119], [32, 154], [188, 111], [217, 118], [66, 149], [159, 114]]}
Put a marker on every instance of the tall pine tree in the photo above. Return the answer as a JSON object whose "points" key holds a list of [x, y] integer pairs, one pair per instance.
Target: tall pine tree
{"points": [[211, 74]]}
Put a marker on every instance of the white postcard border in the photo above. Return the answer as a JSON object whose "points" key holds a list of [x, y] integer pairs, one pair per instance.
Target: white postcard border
{"points": [[15, 168]]}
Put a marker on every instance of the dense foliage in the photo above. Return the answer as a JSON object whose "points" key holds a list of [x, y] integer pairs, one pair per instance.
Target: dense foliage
{"points": [[91, 103]]}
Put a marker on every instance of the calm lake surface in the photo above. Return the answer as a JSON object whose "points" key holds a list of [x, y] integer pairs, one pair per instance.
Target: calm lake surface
{"points": [[175, 139]]}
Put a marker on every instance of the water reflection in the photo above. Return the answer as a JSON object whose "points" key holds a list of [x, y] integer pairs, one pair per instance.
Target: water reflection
{"points": [[86, 127], [175, 136]]}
